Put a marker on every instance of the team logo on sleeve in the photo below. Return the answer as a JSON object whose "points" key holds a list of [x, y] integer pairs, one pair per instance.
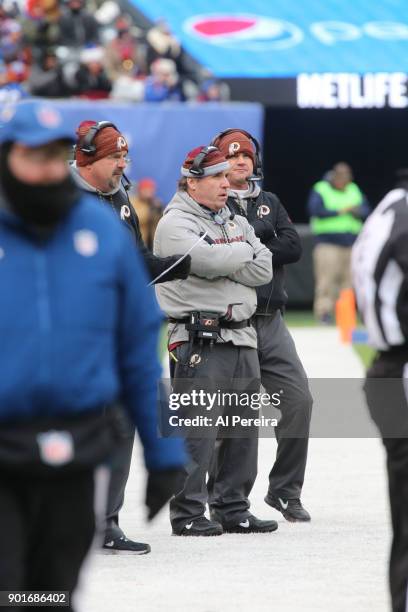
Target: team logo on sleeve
{"points": [[86, 243], [124, 212], [263, 210]]}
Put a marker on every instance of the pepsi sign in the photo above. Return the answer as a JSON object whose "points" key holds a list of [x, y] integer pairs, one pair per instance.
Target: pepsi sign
{"points": [[283, 39], [250, 32]]}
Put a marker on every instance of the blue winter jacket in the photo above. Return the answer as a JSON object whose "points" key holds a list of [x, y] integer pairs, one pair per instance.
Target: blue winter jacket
{"points": [[78, 325]]}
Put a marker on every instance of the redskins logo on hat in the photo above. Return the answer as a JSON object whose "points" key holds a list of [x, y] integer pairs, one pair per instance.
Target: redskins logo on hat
{"points": [[121, 143], [233, 148]]}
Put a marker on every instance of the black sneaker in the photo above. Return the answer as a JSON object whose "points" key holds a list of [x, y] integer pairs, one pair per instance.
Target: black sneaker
{"points": [[251, 524], [122, 544], [200, 527], [291, 509]]}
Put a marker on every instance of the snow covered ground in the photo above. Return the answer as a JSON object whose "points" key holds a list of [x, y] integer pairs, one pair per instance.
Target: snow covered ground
{"points": [[337, 562]]}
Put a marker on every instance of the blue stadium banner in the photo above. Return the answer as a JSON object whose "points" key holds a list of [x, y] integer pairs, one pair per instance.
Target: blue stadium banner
{"points": [[283, 38]]}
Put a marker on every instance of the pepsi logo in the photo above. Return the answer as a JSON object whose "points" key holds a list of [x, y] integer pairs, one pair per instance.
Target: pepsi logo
{"points": [[241, 31]]}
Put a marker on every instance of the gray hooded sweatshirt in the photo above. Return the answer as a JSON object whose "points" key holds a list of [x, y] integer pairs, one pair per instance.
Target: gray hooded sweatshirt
{"points": [[223, 274]]}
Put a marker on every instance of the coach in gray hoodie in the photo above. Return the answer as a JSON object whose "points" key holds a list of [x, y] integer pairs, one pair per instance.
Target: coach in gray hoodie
{"points": [[226, 265]]}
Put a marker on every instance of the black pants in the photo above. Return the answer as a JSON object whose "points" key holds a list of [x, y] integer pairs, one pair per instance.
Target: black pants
{"points": [[119, 474], [233, 461], [281, 369], [47, 527], [387, 401]]}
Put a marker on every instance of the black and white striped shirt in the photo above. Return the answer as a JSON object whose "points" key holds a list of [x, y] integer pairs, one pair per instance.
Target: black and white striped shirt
{"points": [[380, 272]]}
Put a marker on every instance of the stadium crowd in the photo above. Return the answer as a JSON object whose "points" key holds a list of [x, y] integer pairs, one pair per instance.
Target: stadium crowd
{"points": [[72, 48]]}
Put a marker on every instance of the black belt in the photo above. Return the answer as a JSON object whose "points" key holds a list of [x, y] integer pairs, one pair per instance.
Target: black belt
{"points": [[223, 324]]}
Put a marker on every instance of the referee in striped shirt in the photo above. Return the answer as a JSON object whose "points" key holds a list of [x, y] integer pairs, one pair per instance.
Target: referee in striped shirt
{"points": [[380, 278]]}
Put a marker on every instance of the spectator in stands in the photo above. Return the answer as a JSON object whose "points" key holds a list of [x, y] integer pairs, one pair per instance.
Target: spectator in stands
{"points": [[163, 44], [47, 77], [91, 77], [149, 209], [16, 70], [163, 84], [78, 27], [123, 53], [213, 90], [337, 208], [10, 34], [40, 26], [10, 93]]}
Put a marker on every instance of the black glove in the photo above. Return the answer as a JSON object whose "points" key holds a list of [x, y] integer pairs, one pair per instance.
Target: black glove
{"points": [[161, 486], [180, 271], [263, 229]]}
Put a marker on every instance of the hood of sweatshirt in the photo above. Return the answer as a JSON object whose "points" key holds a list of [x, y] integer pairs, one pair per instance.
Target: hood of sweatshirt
{"points": [[253, 191], [85, 186], [242, 195]]}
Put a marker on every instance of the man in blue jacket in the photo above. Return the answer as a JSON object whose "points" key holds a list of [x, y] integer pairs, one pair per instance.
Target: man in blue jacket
{"points": [[72, 289]]}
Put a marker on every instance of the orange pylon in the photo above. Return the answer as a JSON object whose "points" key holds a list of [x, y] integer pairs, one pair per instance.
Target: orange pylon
{"points": [[346, 316]]}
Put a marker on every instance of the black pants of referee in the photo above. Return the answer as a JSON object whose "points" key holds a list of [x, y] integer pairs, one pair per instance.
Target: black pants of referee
{"points": [[386, 394], [47, 527]]}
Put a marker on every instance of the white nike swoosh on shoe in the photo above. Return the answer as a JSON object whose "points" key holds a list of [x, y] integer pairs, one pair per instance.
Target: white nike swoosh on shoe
{"points": [[109, 544], [283, 504], [189, 526], [244, 524]]}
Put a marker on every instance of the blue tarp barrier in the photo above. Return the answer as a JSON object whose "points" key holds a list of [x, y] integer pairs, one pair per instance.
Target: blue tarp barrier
{"points": [[160, 135], [282, 38]]}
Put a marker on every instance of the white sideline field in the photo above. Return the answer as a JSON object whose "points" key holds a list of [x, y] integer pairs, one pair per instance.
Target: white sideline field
{"points": [[337, 562]]}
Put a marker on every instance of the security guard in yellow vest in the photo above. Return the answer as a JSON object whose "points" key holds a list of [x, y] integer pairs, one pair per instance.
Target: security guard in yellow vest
{"points": [[337, 209]]}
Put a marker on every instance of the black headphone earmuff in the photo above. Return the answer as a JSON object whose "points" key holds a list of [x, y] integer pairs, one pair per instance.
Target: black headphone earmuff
{"points": [[196, 168], [258, 174], [86, 144]]}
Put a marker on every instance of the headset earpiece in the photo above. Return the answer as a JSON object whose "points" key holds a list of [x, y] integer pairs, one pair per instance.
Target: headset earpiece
{"points": [[196, 168], [86, 144]]}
